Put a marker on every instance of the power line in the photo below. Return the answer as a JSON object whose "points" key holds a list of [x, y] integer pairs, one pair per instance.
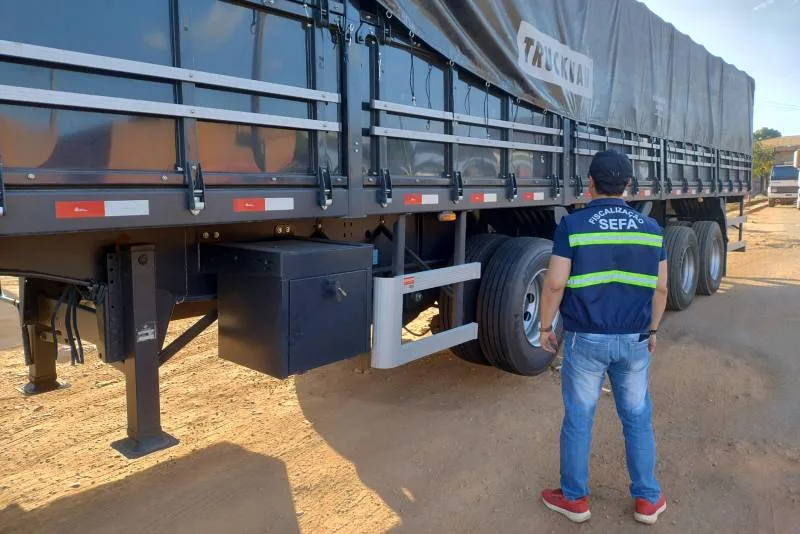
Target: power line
{"points": [[776, 103], [782, 105]]}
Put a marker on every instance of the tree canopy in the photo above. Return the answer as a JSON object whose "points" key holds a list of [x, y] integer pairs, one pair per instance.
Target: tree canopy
{"points": [[763, 134]]}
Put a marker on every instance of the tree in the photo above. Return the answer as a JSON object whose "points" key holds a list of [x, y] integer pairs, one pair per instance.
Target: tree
{"points": [[762, 163], [763, 134]]}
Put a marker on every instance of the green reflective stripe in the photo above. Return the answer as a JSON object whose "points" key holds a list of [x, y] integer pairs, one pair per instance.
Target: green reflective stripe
{"points": [[611, 277], [616, 238], [647, 242]]}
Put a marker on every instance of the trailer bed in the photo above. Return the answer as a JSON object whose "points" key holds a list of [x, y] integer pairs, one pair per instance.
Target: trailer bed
{"points": [[317, 119]]}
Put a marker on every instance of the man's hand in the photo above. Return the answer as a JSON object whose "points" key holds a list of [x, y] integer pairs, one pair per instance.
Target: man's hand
{"points": [[549, 341], [659, 303], [552, 292]]}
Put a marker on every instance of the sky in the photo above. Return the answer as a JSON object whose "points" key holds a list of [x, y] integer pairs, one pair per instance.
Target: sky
{"points": [[761, 37]]}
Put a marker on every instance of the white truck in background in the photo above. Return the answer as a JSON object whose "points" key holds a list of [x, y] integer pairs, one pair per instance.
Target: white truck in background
{"points": [[797, 166], [784, 184]]}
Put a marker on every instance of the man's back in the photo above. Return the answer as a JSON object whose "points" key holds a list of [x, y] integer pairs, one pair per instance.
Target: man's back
{"points": [[615, 253], [608, 277]]}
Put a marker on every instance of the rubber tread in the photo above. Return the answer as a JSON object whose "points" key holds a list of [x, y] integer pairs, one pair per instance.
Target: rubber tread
{"points": [[501, 339], [677, 239], [480, 248], [707, 232]]}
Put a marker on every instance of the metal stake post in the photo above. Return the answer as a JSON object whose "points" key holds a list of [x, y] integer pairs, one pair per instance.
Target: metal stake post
{"points": [[741, 217], [459, 257], [399, 256]]}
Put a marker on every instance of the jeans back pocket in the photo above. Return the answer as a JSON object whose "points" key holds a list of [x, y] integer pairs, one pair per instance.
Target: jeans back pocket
{"points": [[589, 351]]}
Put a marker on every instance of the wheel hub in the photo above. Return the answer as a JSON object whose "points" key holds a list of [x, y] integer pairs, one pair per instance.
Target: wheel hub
{"points": [[687, 271], [531, 321], [715, 261]]}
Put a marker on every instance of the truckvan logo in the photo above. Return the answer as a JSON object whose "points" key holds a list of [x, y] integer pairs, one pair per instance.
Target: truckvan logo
{"points": [[547, 59]]}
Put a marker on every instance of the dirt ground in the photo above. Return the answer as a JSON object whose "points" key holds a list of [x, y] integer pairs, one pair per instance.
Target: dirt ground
{"points": [[436, 446]]}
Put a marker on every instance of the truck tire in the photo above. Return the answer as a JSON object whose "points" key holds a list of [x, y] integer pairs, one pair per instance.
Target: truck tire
{"points": [[480, 248], [508, 307], [682, 258], [711, 249]]}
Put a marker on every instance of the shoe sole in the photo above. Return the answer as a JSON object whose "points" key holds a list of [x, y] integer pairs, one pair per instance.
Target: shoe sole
{"points": [[650, 519], [575, 517]]}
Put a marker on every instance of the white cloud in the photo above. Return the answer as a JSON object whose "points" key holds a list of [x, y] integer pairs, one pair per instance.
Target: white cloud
{"points": [[763, 5], [222, 21], [157, 40]]}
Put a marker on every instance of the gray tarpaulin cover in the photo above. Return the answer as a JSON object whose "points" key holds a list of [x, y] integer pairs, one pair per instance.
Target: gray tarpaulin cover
{"points": [[608, 62]]}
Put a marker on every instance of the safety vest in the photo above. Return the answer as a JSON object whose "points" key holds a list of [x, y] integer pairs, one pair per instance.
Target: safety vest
{"points": [[615, 252]]}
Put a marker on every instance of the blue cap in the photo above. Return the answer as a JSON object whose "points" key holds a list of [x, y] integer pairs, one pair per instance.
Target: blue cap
{"points": [[611, 167]]}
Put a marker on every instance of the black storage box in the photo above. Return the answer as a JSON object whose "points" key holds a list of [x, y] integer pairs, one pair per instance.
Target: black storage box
{"points": [[289, 306]]}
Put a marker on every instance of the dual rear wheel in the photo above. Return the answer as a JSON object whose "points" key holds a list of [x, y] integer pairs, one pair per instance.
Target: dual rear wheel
{"points": [[696, 261], [506, 300]]}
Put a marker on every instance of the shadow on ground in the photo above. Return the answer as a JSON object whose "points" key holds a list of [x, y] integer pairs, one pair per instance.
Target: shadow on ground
{"points": [[207, 491], [451, 447], [443, 443]]}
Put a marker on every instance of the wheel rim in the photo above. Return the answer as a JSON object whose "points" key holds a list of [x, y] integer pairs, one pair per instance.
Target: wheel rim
{"points": [[687, 271], [715, 262], [531, 321]]}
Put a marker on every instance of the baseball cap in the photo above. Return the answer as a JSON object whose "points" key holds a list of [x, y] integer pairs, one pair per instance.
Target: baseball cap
{"points": [[611, 167]]}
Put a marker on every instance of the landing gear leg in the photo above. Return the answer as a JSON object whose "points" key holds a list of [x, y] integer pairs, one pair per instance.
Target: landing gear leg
{"points": [[40, 348], [136, 275]]}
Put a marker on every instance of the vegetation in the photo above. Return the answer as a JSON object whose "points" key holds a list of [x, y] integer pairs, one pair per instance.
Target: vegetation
{"points": [[762, 159], [762, 134]]}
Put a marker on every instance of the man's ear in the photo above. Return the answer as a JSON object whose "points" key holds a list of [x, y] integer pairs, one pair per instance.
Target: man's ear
{"points": [[592, 188]]}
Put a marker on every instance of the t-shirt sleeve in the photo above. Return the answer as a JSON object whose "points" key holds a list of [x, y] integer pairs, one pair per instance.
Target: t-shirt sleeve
{"points": [[663, 253], [561, 241]]}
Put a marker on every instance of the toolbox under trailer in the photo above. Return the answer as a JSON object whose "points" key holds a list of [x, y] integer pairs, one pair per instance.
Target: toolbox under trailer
{"points": [[312, 174]]}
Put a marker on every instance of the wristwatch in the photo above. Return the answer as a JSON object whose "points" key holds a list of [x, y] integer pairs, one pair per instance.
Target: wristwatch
{"points": [[653, 332], [548, 329]]}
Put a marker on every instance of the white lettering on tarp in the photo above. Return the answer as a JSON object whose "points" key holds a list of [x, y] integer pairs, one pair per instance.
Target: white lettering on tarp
{"points": [[661, 106], [547, 59]]}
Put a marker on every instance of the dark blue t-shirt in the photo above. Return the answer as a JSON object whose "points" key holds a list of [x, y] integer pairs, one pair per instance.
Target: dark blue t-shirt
{"points": [[615, 253]]}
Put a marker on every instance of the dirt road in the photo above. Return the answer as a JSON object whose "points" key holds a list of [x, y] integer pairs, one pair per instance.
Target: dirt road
{"points": [[436, 446]]}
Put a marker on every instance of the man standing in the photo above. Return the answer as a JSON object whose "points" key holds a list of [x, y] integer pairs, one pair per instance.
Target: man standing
{"points": [[608, 277]]}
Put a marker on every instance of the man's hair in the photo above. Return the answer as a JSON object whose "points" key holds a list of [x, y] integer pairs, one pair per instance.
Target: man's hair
{"points": [[605, 188]]}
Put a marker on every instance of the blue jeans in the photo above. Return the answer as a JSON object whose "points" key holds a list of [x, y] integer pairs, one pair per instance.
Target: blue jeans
{"points": [[587, 358]]}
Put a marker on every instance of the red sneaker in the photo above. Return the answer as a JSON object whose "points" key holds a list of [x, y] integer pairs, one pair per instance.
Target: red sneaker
{"points": [[577, 511], [647, 512]]}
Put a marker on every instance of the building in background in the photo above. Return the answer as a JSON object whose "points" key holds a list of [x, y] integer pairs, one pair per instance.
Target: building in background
{"points": [[783, 148]]}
